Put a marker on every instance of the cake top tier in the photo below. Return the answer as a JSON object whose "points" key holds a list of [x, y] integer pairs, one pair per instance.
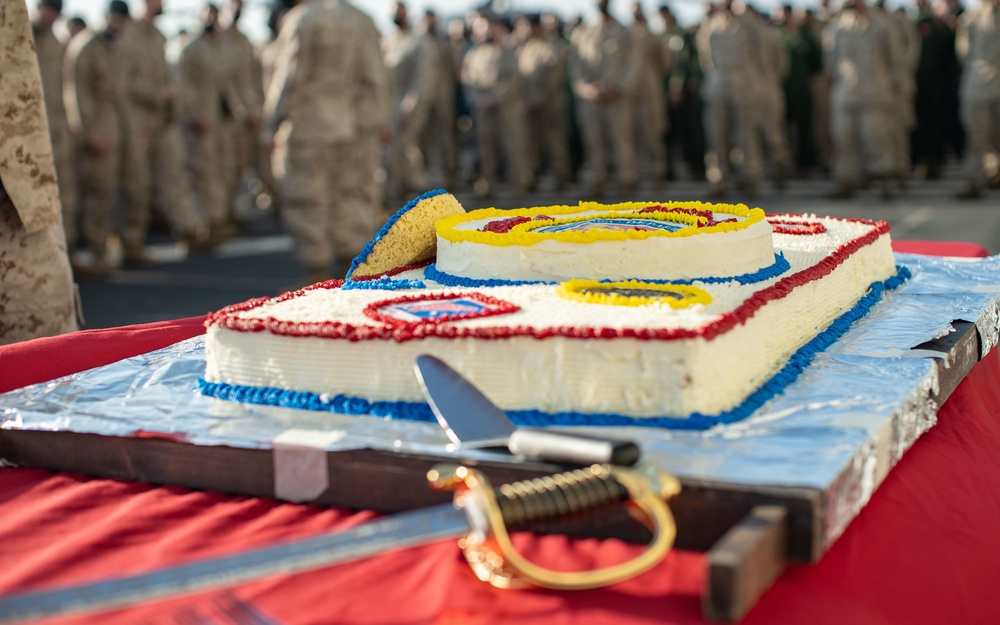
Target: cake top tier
{"points": [[646, 240]]}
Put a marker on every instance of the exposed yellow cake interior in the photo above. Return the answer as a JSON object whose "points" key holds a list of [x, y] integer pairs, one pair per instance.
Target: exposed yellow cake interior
{"points": [[411, 239]]}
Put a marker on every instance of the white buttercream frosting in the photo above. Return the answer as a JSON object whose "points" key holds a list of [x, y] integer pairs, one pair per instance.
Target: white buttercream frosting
{"points": [[642, 378]]}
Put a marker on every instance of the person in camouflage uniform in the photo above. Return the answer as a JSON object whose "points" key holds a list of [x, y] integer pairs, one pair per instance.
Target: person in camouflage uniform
{"points": [[51, 56], [493, 86], [241, 133], [604, 74], [731, 55], [978, 46], [208, 98], [771, 96], [96, 107], [36, 285], [654, 62], [327, 69], [154, 160], [543, 84], [685, 130], [861, 55], [373, 107], [441, 132], [412, 64]]}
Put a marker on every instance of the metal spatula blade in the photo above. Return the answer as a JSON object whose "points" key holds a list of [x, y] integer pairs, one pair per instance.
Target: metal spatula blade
{"points": [[470, 419]]}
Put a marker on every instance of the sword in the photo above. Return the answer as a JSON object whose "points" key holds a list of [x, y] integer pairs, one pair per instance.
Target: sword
{"points": [[479, 515]]}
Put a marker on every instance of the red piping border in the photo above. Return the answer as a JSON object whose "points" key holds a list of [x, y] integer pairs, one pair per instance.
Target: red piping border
{"points": [[339, 330]]}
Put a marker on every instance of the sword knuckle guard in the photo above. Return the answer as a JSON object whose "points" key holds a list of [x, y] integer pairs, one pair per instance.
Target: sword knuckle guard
{"points": [[561, 497]]}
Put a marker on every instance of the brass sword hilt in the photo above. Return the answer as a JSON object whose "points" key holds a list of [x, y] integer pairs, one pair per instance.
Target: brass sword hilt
{"points": [[643, 491]]}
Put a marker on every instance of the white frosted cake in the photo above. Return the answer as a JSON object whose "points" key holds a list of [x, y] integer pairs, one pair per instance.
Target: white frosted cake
{"points": [[673, 314]]}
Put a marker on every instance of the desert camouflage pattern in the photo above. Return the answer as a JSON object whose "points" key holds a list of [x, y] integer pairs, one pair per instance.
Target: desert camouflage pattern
{"points": [[327, 70], [603, 59], [51, 56], [862, 53], [411, 61], [542, 69], [979, 46], [97, 109], [493, 86], [154, 162], [36, 287], [208, 97], [731, 55], [648, 106]]}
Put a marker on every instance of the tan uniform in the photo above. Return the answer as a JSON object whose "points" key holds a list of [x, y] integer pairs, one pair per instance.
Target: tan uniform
{"points": [[36, 287], [96, 108], [412, 64], [772, 95], [603, 59], [649, 109], [51, 56], [906, 43], [208, 96], [979, 45], [493, 87], [543, 79], [441, 133], [730, 52], [373, 108], [240, 140], [326, 69], [154, 160], [860, 55]]}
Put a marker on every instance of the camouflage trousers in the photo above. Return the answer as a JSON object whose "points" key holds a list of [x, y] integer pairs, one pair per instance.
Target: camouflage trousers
{"points": [[604, 126], [982, 117], [62, 153], [205, 154], [861, 129], [326, 205], [407, 168], [502, 127], [732, 121], [650, 121], [100, 179], [772, 127], [440, 134], [154, 176], [547, 137], [36, 286]]}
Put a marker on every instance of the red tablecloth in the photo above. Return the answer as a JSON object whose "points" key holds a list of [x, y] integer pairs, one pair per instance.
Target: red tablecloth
{"points": [[923, 551]]}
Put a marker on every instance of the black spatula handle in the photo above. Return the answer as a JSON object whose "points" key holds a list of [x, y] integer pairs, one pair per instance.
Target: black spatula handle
{"points": [[562, 447]]}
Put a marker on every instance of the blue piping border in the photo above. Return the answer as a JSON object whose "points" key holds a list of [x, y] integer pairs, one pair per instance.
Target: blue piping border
{"points": [[367, 249], [418, 411]]}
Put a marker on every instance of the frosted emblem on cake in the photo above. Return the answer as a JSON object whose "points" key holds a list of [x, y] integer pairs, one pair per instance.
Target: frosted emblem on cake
{"points": [[668, 314]]}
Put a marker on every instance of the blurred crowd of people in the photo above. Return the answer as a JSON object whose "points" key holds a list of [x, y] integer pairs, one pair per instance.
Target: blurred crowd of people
{"points": [[332, 116]]}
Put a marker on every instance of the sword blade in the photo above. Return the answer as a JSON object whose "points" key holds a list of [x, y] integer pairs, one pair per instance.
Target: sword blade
{"points": [[399, 531]]}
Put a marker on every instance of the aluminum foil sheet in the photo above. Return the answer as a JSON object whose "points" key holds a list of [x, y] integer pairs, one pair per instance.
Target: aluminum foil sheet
{"points": [[839, 428]]}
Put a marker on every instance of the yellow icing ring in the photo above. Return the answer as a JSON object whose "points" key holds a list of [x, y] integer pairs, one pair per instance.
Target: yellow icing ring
{"points": [[583, 291], [447, 228]]}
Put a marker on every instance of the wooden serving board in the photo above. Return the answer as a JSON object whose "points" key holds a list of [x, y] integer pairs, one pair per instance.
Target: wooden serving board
{"points": [[749, 531], [390, 482]]}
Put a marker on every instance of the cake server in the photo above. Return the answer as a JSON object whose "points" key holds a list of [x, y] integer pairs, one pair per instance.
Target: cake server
{"points": [[471, 420]]}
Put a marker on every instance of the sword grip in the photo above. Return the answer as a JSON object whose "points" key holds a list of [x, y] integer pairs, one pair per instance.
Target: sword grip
{"points": [[561, 496], [492, 512]]}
